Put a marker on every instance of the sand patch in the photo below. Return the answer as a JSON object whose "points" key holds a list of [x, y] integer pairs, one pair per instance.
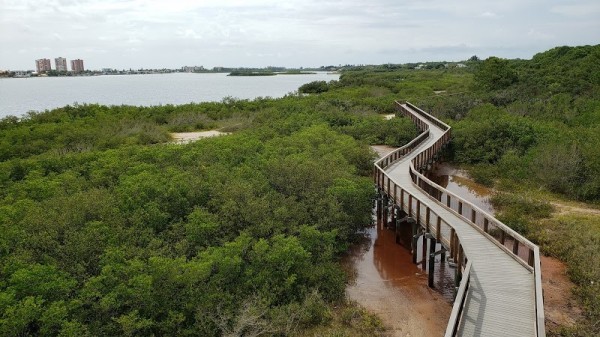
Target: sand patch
{"points": [[383, 150], [188, 137]]}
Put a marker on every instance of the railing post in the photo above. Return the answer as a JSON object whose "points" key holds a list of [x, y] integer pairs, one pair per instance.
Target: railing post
{"points": [[452, 244], [438, 228], [486, 224], [458, 272], [388, 186], [531, 259], [402, 200], [427, 216]]}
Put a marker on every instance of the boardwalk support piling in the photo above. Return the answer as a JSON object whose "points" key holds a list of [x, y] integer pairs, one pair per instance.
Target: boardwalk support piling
{"points": [[413, 247], [432, 243], [379, 207], [385, 211]]}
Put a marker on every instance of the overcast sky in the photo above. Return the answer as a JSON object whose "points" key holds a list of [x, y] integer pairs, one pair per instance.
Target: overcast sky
{"points": [[172, 33]]}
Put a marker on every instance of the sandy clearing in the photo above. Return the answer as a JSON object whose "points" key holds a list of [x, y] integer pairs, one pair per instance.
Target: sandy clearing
{"points": [[187, 137]]}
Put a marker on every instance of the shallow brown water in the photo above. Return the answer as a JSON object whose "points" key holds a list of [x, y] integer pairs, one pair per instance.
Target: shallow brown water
{"points": [[387, 283]]}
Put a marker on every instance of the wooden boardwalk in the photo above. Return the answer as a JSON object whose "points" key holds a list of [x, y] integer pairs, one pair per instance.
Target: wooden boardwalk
{"points": [[499, 294]]}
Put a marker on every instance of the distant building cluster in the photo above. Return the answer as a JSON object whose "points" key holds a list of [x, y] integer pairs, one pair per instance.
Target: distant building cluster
{"points": [[60, 63]]}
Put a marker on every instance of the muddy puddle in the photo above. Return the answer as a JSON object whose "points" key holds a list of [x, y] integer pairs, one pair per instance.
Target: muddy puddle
{"points": [[387, 283]]}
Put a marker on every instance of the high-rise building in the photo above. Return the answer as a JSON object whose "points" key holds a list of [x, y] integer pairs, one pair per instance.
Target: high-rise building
{"points": [[61, 64], [77, 66], [43, 65]]}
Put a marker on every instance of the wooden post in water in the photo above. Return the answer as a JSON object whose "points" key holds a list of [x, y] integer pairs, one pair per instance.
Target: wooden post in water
{"points": [[424, 252], [453, 245], [385, 210], [401, 220], [458, 271], [392, 223], [379, 208], [432, 243], [413, 246]]}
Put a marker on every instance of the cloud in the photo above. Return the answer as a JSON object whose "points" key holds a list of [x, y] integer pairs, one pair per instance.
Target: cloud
{"points": [[488, 15], [158, 33], [586, 9], [538, 35]]}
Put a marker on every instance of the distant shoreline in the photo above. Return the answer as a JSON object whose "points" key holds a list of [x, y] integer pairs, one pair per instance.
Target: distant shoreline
{"points": [[270, 73]]}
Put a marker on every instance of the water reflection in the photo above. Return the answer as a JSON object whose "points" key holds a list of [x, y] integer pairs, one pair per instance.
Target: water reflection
{"points": [[458, 182]]}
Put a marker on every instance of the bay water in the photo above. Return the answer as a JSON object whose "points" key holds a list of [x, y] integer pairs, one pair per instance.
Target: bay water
{"points": [[21, 95]]}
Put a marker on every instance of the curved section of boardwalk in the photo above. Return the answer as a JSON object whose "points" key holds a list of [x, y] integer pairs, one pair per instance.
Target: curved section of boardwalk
{"points": [[500, 291]]}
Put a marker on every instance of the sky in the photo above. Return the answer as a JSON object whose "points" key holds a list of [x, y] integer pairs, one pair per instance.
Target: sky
{"points": [[125, 34]]}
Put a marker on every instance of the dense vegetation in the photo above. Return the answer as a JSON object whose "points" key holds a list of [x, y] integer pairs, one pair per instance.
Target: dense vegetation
{"points": [[109, 230]]}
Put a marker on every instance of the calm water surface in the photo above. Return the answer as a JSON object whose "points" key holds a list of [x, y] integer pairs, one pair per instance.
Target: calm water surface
{"points": [[20, 95]]}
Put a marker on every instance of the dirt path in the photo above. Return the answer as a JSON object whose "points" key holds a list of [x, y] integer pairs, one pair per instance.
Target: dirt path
{"points": [[562, 208], [560, 307]]}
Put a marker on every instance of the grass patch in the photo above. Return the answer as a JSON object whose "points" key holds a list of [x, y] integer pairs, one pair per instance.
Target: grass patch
{"points": [[520, 211]]}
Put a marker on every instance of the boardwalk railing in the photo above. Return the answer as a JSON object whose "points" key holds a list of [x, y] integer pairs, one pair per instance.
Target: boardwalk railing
{"points": [[504, 237]]}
